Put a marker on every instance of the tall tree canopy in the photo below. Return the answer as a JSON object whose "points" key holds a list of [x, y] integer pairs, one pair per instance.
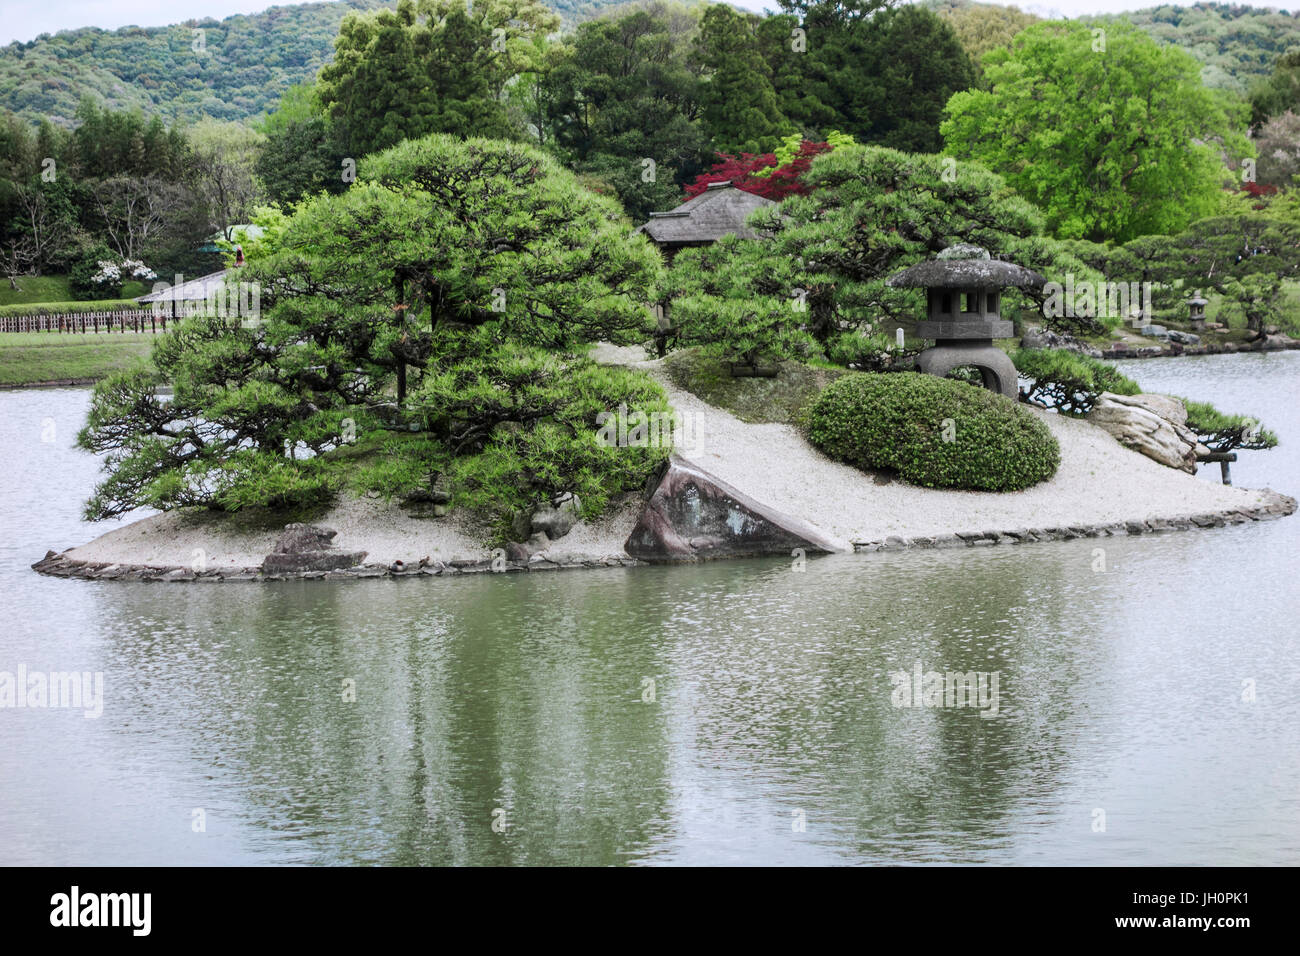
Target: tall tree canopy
{"points": [[1110, 134], [741, 111], [626, 105], [430, 66], [882, 75], [451, 290]]}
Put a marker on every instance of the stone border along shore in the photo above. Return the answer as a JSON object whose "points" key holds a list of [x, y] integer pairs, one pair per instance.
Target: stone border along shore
{"points": [[53, 383], [58, 565], [1279, 506], [1175, 350]]}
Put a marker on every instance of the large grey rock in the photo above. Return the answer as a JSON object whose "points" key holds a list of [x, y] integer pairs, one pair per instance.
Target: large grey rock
{"points": [[557, 519], [1154, 425], [1154, 331], [695, 516], [307, 547], [1184, 338], [298, 537]]}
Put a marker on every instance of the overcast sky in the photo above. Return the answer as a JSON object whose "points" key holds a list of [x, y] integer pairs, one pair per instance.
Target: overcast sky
{"points": [[26, 19]]}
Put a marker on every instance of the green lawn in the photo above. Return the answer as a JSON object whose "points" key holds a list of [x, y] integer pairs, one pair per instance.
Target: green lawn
{"points": [[54, 289], [32, 358]]}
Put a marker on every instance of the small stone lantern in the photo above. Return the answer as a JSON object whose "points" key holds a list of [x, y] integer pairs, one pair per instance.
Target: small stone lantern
{"points": [[963, 293], [1196, 311]]}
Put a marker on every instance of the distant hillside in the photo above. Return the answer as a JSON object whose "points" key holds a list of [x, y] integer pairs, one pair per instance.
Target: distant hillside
{"points": [[1236, 44], [248, 61]]}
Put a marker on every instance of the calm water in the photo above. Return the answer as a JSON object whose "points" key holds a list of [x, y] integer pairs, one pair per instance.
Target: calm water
{"points": [[770, 736]]}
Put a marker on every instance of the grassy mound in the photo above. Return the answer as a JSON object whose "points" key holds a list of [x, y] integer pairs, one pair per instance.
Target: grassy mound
{"points": [[782, 399]]}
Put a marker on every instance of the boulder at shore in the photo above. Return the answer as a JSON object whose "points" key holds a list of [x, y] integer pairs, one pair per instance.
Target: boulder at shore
{"points": [[695, 516], [307, 547], [1155, 425]]}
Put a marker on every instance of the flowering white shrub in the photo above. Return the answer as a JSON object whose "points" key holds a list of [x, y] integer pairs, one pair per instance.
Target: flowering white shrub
{"points": [[110, 272], [138, 270]]}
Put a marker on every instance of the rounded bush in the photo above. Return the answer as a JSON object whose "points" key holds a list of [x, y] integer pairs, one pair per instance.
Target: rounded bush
{"points": [[934, 432]]}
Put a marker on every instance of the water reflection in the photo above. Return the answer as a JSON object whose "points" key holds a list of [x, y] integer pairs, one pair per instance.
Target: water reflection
{"points": [[770, 735]]}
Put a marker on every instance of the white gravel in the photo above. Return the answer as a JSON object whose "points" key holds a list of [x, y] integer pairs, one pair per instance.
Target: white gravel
{"points": [[1099, 481]]}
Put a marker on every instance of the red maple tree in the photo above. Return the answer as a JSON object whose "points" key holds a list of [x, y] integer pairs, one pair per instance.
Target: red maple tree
{"points": [[741, 172]]}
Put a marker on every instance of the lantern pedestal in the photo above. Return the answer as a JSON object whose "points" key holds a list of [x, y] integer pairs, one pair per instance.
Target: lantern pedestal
{"points": [[995, 367]]}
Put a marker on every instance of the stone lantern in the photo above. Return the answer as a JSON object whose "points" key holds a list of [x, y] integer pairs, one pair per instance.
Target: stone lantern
{"points": [[1196, 311], [963, 286]]}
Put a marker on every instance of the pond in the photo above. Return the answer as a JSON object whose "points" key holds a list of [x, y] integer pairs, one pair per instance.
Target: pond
{"points": [[1146, 707]]}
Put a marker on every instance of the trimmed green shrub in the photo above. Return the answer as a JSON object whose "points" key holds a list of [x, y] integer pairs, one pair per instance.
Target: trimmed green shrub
{"points": [[71, 308], [934, 432], [1068, 381]]}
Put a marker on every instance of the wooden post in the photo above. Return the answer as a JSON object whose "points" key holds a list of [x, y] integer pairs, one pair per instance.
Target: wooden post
{"points": [[1223, 458]]}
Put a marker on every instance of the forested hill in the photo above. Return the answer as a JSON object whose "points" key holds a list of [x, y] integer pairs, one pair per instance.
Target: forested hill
{"points": [[248, 60], [1236, 44], [246, 63]]}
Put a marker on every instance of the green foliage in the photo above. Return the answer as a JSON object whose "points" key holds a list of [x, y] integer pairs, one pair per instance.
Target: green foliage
{"points": [[883, 78], [1236, 45], [1134, 137], [868, 353], [1068, 381], [86, 267], [301, 155], [873, 212], [741, 111], [1281, 91], [723, 299], [628, 95], [1224, 433], [934, 432], [433, 66], [1245, 257], [981, 27], [525, 428], [1256, 298], [452, 287]]}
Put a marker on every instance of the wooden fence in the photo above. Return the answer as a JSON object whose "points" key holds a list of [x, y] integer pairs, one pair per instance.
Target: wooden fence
{"points": [[127, 320]]}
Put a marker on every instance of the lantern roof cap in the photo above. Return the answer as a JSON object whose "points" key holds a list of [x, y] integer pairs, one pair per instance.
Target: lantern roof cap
{"points": [[1196, 299], [965, 266]]}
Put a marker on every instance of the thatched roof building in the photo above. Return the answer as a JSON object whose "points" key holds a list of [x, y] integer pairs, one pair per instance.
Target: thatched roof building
{"points": [[720, 210]]}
